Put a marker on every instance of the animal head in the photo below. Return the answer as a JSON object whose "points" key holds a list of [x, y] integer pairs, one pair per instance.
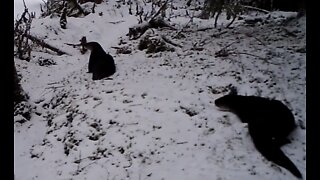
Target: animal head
{"points": [[91, 45], [227, 102]]}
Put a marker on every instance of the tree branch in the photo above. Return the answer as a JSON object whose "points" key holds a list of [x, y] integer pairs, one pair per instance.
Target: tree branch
{"points": [[43, 44], [161, 8]]}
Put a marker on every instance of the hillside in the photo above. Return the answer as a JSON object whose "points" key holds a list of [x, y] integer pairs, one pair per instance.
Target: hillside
{"points": [[156, 118]]}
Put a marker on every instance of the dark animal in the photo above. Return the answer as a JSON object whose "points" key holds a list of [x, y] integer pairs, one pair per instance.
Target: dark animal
{"points": [[101, 64], [269, 124]]}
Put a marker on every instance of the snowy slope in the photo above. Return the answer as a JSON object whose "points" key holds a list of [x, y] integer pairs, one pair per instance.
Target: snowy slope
{"points": [[156, 119]]}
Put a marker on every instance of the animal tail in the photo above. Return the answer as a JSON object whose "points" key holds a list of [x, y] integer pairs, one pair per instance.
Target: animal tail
{"points": [[276, 155]]}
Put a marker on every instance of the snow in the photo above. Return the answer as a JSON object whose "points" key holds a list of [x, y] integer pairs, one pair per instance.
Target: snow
{"points": [[32, 5], [156, 118]]}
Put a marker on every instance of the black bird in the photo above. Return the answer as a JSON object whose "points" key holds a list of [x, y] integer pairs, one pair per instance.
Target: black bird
{"points": [[101, 64], [269, 124]]}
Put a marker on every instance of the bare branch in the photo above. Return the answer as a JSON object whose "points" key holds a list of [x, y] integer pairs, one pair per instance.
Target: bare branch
{"points": [[161, 8], [24, 4]]}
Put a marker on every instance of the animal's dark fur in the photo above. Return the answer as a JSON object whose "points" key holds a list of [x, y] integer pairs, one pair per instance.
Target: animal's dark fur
{"points": [[101, 64], [269, 123]]}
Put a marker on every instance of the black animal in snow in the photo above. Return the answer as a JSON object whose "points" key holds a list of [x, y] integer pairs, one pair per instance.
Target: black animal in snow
{"points": [[269, 124], [101, 64]]}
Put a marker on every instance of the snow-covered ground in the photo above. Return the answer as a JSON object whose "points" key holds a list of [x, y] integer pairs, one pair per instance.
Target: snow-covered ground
{"points": [[156, 119]]}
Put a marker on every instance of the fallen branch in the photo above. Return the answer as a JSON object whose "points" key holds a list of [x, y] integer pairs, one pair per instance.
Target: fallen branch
{"points": [[54, 87], [223, 52], [218, 34], [197, 48], [43, 44], [52, 83], [250, 55], [262, 58], [170, 42], [255, 9], [249, 35], [116, 22]]}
